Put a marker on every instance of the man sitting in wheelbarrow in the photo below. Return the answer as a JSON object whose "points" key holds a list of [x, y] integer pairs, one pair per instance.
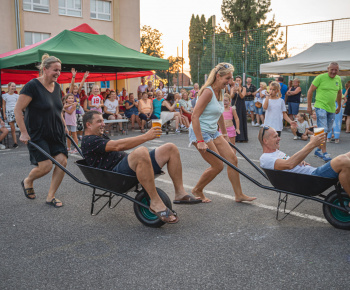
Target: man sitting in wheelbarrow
{"points": [[273, 158], [101, 152]]}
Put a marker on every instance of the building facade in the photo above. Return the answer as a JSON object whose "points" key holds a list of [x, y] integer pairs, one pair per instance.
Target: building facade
{"points": [[29, 21]]}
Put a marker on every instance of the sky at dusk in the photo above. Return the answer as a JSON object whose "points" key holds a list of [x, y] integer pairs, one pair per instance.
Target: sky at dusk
{"points": [[172, 18]]}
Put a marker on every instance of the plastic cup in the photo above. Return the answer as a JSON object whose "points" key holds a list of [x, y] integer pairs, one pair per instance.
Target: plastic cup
{"points": [[157, 123], [318, 131]]}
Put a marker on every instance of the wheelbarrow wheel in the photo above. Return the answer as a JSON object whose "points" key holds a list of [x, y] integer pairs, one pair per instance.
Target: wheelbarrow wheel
{"points": [[144, 215], [336, 217]]}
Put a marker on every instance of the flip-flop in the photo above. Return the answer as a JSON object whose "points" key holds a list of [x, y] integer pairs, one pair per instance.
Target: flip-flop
{"points": [[54, 202], [187, 199], [165, 214], [28, 191]]}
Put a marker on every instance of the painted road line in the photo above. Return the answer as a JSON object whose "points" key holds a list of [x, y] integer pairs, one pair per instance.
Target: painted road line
{"points": [[298, 214]]}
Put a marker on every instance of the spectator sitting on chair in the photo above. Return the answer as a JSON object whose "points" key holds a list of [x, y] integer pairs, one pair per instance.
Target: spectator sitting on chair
{"points": [[3, 133], [108, 154], [274, 159], [131, 111], [145, 107], [111, 110]]}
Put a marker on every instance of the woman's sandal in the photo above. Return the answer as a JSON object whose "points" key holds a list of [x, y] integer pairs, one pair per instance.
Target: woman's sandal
{"points": [[54, 202], [28, 191], [165, 215]]}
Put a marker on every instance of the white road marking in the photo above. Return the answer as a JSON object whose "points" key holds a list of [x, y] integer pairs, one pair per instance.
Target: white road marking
{"points": [[273, 208]]}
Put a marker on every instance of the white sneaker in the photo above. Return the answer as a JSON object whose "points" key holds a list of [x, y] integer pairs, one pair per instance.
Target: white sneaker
{"points": [[2, 147], [262, 125], [177, 131], [253, 123], [295, 137], [256, 125]]}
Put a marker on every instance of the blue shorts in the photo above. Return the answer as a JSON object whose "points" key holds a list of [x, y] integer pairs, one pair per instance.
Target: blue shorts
{"points": [[207, 137], [325, 119], [249, 105], [325, 170], [259, 111], [124, 168], [293, 108]]}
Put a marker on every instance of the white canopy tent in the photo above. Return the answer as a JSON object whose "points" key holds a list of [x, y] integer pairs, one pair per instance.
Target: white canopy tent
{"points": [[312, 61]]}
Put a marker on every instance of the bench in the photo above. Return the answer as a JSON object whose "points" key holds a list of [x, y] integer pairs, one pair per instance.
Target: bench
{"points": [[123, 121]]}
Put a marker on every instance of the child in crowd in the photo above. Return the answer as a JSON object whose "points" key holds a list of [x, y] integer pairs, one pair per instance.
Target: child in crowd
{"points": [[71, 120], [184, 123], [276, 109], [194, 100], [260, 95], [302, 129], [313, 121], [111, 110], [95, 99], [230, 113], [3, 133]]}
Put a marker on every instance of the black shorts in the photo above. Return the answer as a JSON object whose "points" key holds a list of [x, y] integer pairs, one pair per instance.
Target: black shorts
{"points": [[124, 168], [299, 134], [53, 148], [106, 116]]}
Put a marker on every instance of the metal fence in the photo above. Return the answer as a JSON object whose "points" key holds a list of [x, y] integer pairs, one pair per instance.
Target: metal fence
{"points": [[246, 50]]}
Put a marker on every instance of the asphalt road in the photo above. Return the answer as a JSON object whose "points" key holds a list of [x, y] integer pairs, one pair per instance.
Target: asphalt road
{"points": [[220, 245]]}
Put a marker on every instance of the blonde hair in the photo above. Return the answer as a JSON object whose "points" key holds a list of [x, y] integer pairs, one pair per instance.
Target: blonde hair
{"points": [[9, 84], [226, 95], [46, 61], [264, 85], [277, 86], [222, 69], [297, 80]]}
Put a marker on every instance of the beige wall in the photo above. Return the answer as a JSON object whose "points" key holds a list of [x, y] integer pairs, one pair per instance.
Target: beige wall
{"points": [[124, 26], [8, 26]]}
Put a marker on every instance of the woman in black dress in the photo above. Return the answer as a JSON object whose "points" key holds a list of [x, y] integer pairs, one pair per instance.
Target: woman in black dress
{"points": [[44, 125], [238, 92]]}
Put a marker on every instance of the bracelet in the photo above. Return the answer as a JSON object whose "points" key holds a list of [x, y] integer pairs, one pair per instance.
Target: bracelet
{"points": [[200, 141], [225, 135]]}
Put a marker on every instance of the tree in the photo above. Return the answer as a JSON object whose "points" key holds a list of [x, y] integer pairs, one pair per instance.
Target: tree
{"points": [[151, 42], [254, 41], [244, 14]]}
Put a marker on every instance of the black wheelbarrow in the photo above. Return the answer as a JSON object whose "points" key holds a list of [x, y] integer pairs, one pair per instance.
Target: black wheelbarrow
{"points": [[114, 184], [335, 205]]}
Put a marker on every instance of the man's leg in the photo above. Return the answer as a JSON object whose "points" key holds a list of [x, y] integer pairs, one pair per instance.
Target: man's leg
{"points": [[169, 154], [341, 165], [140, 162]]}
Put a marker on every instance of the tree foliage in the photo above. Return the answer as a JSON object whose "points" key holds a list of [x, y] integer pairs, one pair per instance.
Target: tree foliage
{"points": [[151, 42]]}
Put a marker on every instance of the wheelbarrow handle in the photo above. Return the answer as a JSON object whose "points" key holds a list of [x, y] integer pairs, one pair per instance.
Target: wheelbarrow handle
{"points": [[249, 161], [75, 145]]}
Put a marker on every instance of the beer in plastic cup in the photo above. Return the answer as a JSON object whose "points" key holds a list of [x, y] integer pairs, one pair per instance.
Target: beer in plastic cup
{"points": [[157, 123], [318, 131]]}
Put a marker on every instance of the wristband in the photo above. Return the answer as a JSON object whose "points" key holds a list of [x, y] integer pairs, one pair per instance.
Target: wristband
{"points": [[200, 141]]}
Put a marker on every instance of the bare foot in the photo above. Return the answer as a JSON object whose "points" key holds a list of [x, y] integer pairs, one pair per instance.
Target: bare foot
{"points": [[244, 197], [201, 196]]}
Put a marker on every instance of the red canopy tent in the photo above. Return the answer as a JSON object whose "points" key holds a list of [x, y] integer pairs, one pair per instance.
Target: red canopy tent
{"points": [[24, 76]]}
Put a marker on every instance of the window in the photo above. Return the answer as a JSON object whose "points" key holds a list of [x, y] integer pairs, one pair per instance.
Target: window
{"points": [[36, 5], [100, 9], [69, 7], [34, 37]]}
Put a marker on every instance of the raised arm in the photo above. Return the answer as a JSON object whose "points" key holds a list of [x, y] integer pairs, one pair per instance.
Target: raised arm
{"points": [[129, 143], [298, 157], [74, 72], [83, 81]]}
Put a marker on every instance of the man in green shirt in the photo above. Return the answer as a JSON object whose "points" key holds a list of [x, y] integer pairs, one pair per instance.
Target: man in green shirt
{"points": [[328, 90]]}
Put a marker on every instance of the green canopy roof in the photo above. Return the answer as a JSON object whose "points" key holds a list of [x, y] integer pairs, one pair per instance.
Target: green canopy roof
{"points": [[85, 51]]}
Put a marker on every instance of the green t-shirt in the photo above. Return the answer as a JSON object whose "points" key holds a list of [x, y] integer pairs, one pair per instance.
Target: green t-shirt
{"points": [[326, 92]]}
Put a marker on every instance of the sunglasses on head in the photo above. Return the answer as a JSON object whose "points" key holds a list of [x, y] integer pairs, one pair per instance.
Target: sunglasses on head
{"points": [[265, 129], [224, 66]]}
